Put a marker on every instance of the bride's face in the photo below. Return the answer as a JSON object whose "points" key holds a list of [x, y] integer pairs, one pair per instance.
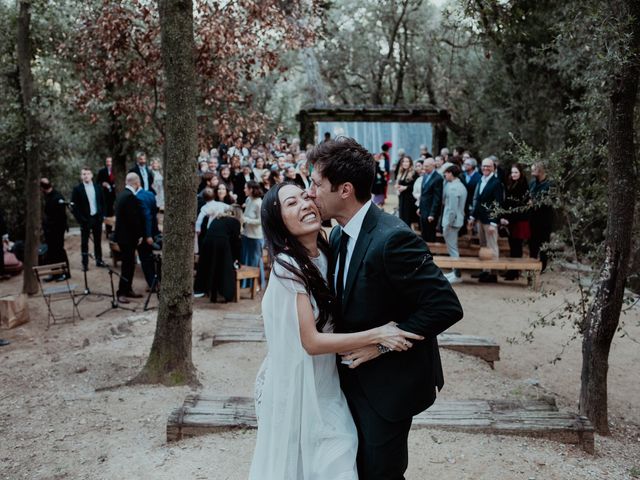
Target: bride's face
{"points": [[299, 213]]}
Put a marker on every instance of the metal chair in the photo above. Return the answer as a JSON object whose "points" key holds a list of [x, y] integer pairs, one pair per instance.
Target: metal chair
{"points": [[57, 292]]}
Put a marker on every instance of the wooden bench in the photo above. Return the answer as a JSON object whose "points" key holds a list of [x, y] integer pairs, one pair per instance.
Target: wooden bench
{"points": [[240, 327], [467, 250], [247, 273], [474, 263], [203, 414]]}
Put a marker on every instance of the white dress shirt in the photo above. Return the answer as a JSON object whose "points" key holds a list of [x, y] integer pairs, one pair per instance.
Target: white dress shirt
{"points": [[145, 176], [483, 181], [352, 229], [91, 195]]}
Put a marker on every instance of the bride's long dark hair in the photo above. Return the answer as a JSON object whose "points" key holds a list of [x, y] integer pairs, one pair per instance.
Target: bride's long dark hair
{"points": [[278, 240]]}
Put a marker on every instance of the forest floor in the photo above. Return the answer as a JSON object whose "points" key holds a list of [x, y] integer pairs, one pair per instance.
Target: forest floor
{"points": [[55, 425]]}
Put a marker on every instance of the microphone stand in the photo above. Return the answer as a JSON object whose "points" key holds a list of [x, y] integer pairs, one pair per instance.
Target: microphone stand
{"points": [[155, 285], [87, 291], [114, 299]]}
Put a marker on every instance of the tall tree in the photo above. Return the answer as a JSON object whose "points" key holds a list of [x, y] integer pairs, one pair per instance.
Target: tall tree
{"points": [[31, 148], [603, 317], [116, 51], [170, 361]]}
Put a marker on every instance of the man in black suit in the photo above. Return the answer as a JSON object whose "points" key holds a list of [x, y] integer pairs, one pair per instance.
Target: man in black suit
{"points": [[129, 231], [145, 174], [381, 271], [54, 225], [88, 208], [107, 180], [430, 200], [487, 198]]}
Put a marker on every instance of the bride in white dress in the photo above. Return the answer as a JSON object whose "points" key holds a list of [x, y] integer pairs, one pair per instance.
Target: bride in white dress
{"points": [[305, 429]]}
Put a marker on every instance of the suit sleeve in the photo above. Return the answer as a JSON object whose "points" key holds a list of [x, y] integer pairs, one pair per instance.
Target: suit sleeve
{"points": [[499, 199], [146, 214], [75, 209], [420, 285], [100, 201], [437, 197]]}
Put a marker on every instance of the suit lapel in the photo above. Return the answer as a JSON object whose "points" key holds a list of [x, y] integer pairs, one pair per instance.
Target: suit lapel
{"points": [[362, 244]]}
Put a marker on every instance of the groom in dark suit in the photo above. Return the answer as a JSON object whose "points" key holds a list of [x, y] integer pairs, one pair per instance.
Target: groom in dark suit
{"points": [[381, 271]]}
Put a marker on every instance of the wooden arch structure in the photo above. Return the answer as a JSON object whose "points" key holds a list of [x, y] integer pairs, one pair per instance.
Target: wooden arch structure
{"points": [[308, 117]]}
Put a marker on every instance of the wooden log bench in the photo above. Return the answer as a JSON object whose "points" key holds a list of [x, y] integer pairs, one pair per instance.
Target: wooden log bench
{"points": [[474, 263], [203, 414], [240, 327]]}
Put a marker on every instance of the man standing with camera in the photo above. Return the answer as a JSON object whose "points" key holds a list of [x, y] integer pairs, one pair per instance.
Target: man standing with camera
{"points": [[87, 206]]}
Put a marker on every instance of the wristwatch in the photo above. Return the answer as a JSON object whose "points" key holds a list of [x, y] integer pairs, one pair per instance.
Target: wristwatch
{"points": [[382, 348]]}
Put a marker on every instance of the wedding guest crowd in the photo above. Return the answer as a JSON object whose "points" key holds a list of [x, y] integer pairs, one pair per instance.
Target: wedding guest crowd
{"points": [[451, 197], [445, 195]]}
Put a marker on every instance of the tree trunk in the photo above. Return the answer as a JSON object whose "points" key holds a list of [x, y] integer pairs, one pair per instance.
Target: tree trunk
{"points": [[170, 361], [118, 149], [603, 316], [31, 149]]}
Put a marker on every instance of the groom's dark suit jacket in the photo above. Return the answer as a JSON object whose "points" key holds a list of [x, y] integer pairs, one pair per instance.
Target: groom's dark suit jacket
{"points": [[392, 277]]}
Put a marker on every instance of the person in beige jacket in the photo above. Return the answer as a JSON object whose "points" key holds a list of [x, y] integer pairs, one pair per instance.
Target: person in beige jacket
{"points": [[454, 197], [252, 239]]}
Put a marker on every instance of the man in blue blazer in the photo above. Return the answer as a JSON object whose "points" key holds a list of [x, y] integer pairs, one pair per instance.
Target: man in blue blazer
{"points": [[149, 209]]}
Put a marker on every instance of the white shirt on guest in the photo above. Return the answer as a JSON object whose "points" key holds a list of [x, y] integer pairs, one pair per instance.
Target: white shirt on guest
{"points": [[352, 229], [90, 190], [484, 180]]}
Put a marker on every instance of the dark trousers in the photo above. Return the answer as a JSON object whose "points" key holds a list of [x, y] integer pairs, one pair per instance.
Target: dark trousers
{"points": [[54, 238], [145, 252], [93, 227], [382, 445], [540, 234], [515, 251], [515, 247], [428, 229], [127, 269]]}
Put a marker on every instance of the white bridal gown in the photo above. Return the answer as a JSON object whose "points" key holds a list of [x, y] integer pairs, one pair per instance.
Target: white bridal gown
{"points": [[305, 429]]}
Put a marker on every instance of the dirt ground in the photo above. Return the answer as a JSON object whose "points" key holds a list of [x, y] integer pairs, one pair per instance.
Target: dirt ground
{"points": [[55, 425]]}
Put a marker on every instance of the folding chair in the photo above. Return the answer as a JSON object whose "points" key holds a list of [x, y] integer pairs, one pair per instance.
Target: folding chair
{"points": [[57, 292]]}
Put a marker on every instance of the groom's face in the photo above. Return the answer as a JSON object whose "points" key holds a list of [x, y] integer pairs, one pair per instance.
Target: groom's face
{"points": [[320, 192]]}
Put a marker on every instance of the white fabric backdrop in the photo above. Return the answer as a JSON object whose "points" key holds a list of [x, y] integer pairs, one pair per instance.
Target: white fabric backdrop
{"points": [[372, 135]]}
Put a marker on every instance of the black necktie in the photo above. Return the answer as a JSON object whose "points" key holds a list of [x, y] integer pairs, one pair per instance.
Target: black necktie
{"points": [[344, 239]]}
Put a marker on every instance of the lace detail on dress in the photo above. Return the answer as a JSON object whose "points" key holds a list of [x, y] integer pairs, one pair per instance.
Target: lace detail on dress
{"points": [[259, 387]]}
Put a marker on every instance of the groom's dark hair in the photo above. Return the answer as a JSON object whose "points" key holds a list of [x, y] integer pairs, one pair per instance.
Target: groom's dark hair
{"points": [[344, 160]]}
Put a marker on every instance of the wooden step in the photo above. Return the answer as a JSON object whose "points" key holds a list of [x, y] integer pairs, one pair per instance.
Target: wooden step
{"points": [[240, 327], [202, 414]]}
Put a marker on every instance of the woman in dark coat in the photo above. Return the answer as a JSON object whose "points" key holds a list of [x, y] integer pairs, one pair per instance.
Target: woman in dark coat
{"points": [[516, 205], [404, 185], [218, 258]]}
